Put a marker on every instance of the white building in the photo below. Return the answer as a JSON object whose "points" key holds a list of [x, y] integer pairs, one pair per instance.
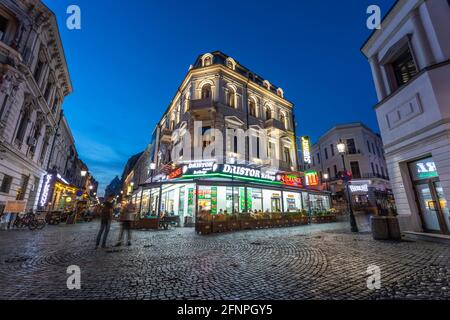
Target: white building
{"points": [[364, 159], [410, 61], [33, 83]]}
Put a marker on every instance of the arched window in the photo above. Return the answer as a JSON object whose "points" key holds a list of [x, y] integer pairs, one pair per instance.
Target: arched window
{"points": [[206, 91], [252, 107], [231, 98], [268, 113]]}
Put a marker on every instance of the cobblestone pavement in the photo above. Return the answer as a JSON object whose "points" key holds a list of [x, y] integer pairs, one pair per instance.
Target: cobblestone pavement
{"points": [[309, 262]]}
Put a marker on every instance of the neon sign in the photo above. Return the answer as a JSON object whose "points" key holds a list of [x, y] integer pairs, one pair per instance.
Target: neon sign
{"points": [[306, 148], [311, 178], [291, 180], [46, 190], [359, 188], [200, 168], [247, 172], [176, 173]]}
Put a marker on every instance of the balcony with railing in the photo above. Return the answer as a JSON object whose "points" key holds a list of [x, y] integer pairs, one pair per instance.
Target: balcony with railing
{"points": [[201, 104], [274, 124]]}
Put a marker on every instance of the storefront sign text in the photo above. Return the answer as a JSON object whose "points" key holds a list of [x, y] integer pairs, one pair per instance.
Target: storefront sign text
{"points": [[247, 172], [306, 148], [359, 188]]}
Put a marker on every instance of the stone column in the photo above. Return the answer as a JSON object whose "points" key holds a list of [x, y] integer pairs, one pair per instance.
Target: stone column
{"points": [[377, 78], [424, 49]]}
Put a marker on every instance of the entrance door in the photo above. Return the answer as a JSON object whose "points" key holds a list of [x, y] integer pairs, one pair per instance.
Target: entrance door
{"points": [[276, 205], [428, 208], [443, 206]]}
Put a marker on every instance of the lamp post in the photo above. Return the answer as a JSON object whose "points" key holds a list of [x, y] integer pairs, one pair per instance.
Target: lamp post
{"points": [[326, 177], [232, 161], [342, 148], [152, 169]]}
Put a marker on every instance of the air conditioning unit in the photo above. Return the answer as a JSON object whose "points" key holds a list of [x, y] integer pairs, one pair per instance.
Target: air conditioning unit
{"points": [[31, 141]]}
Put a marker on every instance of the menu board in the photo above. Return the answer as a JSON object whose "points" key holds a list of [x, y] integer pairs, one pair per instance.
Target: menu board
{"points": [[15, 206]]}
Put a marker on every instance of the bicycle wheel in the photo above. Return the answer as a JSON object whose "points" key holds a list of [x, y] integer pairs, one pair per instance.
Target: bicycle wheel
{"points": [[32, 225], [41, 224]]}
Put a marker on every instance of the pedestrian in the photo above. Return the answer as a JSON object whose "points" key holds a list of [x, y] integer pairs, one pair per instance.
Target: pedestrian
{"points": [[106, 216], [126, 217]]}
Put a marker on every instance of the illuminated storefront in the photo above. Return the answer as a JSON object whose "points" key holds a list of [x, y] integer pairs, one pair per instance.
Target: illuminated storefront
{"points": [[203, 189], [58, 194]]}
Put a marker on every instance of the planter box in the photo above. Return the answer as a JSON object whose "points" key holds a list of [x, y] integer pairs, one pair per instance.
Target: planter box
{"points": [[260, 224], [323, 219], [234, 225], [268, 223], [248, 224], [380, 229], [221, 226], [147, 224], [394, 228], [203, 227]]}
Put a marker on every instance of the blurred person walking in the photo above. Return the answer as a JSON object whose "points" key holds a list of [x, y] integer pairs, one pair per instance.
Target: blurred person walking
{"points": [[126, 217], [106, 217]]}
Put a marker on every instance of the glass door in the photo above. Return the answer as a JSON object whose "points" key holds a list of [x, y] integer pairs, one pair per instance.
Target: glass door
{"points": [[428, 207], [443, 206]]}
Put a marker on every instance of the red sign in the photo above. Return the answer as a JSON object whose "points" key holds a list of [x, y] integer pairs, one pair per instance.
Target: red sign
{"points": [[291, 180], [176, 173]]}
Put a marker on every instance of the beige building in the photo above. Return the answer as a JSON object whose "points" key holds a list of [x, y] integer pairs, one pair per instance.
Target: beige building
{"points": [[34, 81], [410, 61], [225, 145]]}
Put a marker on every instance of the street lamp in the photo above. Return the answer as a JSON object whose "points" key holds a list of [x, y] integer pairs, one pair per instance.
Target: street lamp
{"points": [[326, 176], [83, 173], [342, 148]]}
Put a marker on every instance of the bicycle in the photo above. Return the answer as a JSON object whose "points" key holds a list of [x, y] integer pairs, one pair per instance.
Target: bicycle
{"points": [[29, 220]]}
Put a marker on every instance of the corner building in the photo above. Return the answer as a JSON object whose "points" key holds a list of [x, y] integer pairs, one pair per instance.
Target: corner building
{"points": [[219, 99]]}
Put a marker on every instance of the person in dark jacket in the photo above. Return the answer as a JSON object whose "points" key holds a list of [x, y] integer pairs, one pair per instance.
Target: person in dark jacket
{"points": [[106, 217]]}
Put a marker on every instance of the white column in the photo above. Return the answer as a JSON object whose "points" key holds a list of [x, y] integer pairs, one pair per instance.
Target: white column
{"points": [[377, 77], [424, 49]]}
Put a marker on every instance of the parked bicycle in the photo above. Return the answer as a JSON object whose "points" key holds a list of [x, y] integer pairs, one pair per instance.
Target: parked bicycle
{"points": [[29, 220]]}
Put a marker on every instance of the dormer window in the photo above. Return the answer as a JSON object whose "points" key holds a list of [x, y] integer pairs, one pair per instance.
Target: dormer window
{"points": [[207, 61], [404, 67], [280, 92]]}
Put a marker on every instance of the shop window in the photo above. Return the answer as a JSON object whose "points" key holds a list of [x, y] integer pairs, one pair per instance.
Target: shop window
{"points": [[272, 201], [255, 202], [6, 184], [3, 28], [354, 167], [292, 202], [404, 67]]}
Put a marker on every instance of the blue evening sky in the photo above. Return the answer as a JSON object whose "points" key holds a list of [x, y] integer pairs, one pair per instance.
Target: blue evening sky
{"points": [[129, 58]]}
